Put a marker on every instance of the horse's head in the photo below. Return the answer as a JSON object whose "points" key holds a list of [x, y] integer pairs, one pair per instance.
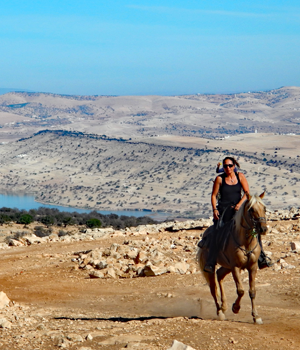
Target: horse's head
{"points": [[257, 212]]}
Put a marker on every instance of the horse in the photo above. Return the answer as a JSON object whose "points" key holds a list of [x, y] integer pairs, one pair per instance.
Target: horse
{"points": [[240, 250]]}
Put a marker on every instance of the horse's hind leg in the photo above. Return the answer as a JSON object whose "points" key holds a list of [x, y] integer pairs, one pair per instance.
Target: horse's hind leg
{"points": [[252, 294], [221, 274], [239, 289]]}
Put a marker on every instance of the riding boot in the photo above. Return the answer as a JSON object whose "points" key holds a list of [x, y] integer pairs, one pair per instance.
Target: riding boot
{"points": [[263, 260]]}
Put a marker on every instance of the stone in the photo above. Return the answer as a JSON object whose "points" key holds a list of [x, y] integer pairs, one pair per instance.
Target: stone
{"points": [[101, 265], [4, 323], [132, 253], [32, 239], [96, 274], [89, 337], [177, 345], [150, 270], [4, 300], [141, 257], [276, 267], [111, 273], [295, 245], [75, 337], [181, 267], [15, 243]]}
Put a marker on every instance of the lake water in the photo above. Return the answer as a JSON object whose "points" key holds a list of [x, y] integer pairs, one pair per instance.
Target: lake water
{"points": [[27, 202]]}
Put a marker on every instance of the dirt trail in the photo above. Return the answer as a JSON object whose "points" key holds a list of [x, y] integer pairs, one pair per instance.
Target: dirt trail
{"points": [[55, 300]]}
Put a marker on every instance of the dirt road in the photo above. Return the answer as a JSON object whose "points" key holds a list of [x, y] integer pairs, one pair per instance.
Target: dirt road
{"points": [[58, 305]]}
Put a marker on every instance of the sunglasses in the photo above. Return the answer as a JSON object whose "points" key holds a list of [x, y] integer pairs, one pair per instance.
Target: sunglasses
{"points": [[227, 166]]}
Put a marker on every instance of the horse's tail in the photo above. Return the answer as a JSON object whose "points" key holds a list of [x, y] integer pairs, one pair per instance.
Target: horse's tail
{"points": [[211, 280]]}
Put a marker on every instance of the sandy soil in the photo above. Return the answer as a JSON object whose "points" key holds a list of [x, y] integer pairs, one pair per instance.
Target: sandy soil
{"points": [[55, 300]]}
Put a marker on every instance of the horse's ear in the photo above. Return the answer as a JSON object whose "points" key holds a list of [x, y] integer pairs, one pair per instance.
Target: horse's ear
{"points": [[262, 195], [248, 196]]}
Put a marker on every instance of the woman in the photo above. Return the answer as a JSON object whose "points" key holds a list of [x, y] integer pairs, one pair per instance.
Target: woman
{"points": [[226, 199], [229, 185]]}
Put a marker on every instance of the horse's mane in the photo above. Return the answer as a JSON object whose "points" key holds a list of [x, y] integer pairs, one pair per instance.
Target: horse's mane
{"points": [[248, 204]]}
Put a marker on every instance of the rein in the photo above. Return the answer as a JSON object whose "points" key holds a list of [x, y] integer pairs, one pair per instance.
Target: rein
{"points": [[253, 229], [252, 233]]}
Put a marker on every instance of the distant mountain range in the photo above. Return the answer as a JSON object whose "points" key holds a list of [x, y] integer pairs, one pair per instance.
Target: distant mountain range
{"points": [[6, 90]]}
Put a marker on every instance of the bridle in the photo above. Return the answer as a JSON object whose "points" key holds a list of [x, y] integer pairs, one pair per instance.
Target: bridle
{"points": [[253, 227], [251, 231]]}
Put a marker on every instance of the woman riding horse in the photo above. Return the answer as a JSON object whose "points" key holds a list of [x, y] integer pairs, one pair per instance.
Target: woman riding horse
{"points": [[227, 192]]}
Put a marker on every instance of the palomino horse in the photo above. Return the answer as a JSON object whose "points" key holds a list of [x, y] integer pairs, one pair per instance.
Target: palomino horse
{"points": [[240, 251]]}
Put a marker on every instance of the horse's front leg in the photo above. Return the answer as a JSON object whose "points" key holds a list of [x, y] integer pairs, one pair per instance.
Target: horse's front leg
{"points": [[252, 293], [221, 273], [236, 273]]}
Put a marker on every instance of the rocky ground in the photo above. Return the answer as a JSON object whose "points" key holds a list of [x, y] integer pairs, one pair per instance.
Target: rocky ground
{"points": [[147, 294]]}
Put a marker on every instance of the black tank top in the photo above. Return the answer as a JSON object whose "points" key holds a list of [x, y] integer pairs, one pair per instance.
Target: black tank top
{"points": [[230, 194]]}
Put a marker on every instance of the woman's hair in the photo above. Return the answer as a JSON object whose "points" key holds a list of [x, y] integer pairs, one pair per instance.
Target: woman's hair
{"points": [[234, 161]]}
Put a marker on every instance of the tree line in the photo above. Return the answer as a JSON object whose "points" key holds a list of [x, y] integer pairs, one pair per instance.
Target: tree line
{"points": [[52, 216]]}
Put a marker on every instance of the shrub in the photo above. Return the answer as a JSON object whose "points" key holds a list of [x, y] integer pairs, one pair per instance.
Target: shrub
{"points": [[41, 231], [25, 219], [62, 233], [93, 222]]}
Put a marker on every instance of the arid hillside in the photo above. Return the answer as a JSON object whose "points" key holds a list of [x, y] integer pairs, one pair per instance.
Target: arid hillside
{"points": [[176, 176], [22, 114]]}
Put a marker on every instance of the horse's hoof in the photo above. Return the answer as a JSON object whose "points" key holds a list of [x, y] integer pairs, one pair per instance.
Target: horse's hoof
{"points": [[235, 309], [258, 320], [221, 316]]}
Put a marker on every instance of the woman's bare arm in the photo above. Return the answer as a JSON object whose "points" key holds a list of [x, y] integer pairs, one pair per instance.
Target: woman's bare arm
{"points": [[245, 187], [215, 191]]}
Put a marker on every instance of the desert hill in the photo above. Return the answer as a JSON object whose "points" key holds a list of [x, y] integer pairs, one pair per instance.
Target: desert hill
{"points": [[23, 113], [169, 175], [148, 152]]}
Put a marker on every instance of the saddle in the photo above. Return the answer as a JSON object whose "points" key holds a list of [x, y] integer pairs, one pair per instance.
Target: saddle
{"points": [[222, 233]]}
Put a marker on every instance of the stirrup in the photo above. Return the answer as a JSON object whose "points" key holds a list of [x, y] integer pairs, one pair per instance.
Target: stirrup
{"points": [[265, 262]]}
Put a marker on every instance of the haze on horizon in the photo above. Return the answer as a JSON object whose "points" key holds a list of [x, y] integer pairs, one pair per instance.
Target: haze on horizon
{"points": [[149, 47]]}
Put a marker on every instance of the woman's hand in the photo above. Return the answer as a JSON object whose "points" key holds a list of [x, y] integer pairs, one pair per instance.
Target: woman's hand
{"points": [[237, 207], [216, 214]]}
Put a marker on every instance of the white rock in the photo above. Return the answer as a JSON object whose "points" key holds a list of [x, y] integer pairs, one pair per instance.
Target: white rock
{"points": [[96, 274], [142, 257], [15, 243], [89, 337], [4, 300], [181, 267], [32, 239], [75, 337], [4, 323], [276, 267], [132, 253], [177, 345], [111, 273], [150, 270]]}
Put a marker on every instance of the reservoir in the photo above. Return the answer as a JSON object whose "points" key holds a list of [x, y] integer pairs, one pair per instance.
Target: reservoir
{"points": [[27, 202]]}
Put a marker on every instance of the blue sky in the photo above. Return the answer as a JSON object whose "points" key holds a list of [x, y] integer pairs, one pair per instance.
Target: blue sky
{"points": [[149, 47]]}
